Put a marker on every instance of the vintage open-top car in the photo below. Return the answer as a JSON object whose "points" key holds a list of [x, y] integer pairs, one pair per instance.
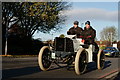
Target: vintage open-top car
{"points": [[69, 50]]}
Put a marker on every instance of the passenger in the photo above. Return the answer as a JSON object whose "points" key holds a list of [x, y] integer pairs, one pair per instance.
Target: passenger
{"points": [[75, 30]]}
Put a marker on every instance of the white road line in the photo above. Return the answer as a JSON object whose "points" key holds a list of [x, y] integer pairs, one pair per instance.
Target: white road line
{"points": [[111, 75]]}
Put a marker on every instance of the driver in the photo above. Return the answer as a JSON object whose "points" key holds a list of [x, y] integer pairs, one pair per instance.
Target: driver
{"points": [[89, 35], [75, 30]]}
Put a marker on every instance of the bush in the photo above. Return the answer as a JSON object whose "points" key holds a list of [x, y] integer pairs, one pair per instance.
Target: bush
{"points": [[102, 47], [23, 46]]}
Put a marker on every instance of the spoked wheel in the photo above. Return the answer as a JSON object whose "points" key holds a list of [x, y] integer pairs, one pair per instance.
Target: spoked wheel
{"points": [[81, 61], [44, 58], [100, 60]]}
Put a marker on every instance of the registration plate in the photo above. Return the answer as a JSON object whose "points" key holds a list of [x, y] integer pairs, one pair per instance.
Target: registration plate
{"points": [[53, 55], [107, 54]]}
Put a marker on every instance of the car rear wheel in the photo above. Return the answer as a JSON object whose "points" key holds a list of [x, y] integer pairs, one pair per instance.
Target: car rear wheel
{"points": [[100, 60]]}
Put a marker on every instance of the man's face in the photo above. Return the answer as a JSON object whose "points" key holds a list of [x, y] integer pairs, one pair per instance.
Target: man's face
{"points": [[87, 26], [75, 25]]}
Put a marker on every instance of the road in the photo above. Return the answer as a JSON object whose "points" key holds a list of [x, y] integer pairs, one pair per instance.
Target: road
{"points": [[27, 67]]}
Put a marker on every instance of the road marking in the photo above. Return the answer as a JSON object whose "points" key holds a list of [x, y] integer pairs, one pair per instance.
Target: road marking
{"points": [[110, 74]]}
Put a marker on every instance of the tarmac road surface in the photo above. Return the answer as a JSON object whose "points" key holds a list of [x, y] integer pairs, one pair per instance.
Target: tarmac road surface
{"points": [[27, 67]]}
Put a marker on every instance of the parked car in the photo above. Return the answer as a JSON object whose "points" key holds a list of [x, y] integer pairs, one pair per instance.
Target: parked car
{"points": [[111, 52]]}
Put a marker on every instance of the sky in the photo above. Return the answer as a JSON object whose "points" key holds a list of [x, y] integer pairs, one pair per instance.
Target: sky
{"points": [[100, 14]]}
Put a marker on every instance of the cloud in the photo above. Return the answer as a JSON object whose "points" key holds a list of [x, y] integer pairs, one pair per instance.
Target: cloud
{"points": [[92, 14]]}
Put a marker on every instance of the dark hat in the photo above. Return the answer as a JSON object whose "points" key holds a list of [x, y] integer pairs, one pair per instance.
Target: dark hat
{"points": [[88, 22], [76, 22]]}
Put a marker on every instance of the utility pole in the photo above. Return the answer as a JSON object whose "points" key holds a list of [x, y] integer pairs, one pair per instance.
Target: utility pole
{"points": [[111, 38], [6, 40]]}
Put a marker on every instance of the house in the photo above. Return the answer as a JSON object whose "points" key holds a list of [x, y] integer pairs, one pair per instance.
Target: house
{"points": [[108, 44], [103, 43]]}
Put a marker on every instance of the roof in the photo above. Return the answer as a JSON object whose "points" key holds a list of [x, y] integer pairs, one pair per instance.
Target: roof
{"points": [[102, 42]]}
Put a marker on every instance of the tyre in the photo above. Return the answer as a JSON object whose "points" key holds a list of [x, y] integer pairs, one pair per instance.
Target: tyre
{"points": [[114, 55], [44, 58], [117, 54], [81, 61], [100, 60]]}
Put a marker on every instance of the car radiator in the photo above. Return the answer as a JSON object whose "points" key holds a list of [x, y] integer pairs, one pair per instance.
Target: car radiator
{"points": [[64, 44]]}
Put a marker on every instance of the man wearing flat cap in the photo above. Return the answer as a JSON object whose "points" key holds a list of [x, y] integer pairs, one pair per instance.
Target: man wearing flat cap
{"points": [[75, 30]]}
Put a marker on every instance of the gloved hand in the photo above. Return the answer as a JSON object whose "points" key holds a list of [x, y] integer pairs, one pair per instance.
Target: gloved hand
{"points": [[83, 41]]}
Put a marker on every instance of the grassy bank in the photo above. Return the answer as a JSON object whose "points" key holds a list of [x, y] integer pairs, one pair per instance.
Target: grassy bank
{"points": [[19, 56]]}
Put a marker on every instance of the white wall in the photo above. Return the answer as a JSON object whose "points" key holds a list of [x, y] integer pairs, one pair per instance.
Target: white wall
{"points": [[115, 45]]}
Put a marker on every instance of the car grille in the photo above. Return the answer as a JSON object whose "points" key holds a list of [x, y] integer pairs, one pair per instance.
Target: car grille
{"points": [[64, 44]]}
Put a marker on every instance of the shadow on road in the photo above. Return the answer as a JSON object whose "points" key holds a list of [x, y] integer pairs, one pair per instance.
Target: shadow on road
{"points": [[107, 64], [57, 68], [9, 73], [93, 66], [19, 72]]}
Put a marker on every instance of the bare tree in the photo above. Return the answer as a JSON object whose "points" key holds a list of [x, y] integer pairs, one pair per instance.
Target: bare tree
{"points": [[109, 34]]}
